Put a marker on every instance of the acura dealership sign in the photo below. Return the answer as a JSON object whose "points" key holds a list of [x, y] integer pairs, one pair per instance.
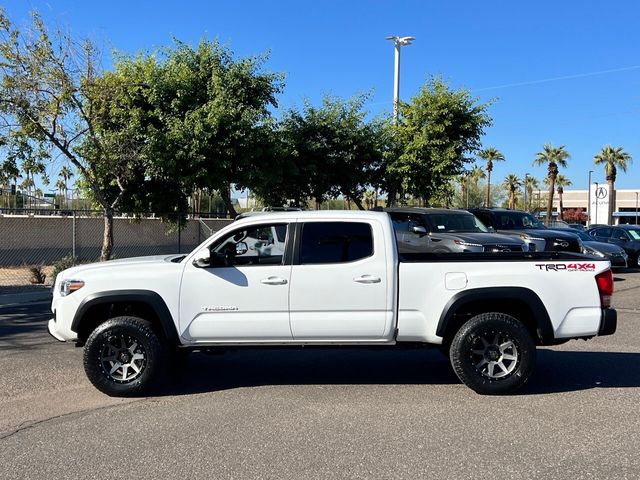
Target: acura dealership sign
{"points": [[599, 203]]}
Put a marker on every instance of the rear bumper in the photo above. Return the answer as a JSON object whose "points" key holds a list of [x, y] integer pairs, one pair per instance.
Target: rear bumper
{"points": [[608, 322]]}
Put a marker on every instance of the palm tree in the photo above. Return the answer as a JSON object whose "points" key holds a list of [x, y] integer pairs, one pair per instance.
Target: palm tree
{"points": [[561, 182], [27, 184], [531, 184], [612, 158], [490, 155], [65, 174], [512, 184], [552, 156]]}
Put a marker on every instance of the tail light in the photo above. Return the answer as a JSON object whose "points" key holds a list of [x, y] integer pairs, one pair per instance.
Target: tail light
{"points": [[605, 287]]}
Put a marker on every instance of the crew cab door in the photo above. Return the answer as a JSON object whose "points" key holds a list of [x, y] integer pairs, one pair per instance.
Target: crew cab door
{"points": [[242, 293], [340, 284]]}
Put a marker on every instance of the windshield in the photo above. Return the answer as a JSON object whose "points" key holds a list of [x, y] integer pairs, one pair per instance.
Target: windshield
{"points": [[516, 221], [455, 222], [584, 237], [635, 234]]}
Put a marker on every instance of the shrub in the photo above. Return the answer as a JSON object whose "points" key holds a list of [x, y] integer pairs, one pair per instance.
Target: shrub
{"points": [[37, 274], [65, 262]]}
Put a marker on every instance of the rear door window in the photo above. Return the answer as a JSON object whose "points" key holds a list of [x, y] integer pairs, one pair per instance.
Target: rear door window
{"points": [[335, 242]]}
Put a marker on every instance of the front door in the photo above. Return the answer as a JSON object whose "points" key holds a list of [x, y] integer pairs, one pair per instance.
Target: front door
{"points": [[242, 293]]}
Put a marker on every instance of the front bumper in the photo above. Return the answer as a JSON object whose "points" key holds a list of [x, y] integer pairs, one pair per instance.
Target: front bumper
{"points": [[608, 322], [51, 326]]}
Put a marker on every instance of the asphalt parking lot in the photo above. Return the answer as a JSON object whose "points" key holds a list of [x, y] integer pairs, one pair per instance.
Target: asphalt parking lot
{"points": [[319, 413]]}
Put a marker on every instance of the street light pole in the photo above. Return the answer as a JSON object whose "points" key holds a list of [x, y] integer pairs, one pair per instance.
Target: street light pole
{"points": [[398, 42], [589, 199], [636, 208]]}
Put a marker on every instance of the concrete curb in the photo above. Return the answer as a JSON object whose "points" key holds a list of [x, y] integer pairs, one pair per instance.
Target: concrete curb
{"points": [[26, 297]]}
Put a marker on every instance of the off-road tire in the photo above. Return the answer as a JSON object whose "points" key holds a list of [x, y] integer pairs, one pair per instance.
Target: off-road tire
{"points": [[493, 353], [123, 357]]}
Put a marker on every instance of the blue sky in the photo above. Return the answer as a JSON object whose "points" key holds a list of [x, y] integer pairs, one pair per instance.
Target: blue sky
{"points": [[589, 51]]}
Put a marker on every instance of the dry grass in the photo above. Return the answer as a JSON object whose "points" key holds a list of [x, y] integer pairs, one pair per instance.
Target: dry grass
{"points": [[20, 276]]}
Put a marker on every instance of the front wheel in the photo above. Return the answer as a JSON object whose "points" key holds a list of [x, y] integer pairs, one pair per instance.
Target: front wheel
{"points": [[493, 353], [122, 356]]}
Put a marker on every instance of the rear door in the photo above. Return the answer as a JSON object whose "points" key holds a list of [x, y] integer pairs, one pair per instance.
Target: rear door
{"points": [[339, 282]]}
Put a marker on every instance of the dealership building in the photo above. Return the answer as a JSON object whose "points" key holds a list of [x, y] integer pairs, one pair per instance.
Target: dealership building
{"points": [[596, 203]]}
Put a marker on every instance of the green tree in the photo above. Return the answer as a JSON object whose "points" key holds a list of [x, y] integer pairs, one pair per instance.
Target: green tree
{"points": [[512, 184], [436, 133], [332, 150], [490, 155], [612, 158], [553, 157], [48, 93], [64, 175], [531, 184], [561, 182], [196, 117]]}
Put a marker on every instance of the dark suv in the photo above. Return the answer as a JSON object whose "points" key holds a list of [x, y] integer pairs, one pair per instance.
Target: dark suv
{"points": [[440, 230], [625, 236], [526, 227]]}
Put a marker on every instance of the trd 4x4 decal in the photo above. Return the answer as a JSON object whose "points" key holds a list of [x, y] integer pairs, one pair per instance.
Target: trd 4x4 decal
{"points": [[569, 267]]}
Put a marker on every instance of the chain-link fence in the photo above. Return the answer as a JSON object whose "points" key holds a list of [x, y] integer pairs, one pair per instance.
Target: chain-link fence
{"points": [[33, 241]]}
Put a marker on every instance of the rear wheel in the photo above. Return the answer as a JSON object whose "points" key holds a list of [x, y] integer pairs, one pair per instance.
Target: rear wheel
{"points": [[122, 356], [493, 353]]}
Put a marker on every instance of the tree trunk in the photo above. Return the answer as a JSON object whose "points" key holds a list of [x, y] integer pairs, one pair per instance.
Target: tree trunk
{"points": [[225, 193], [612, 200], [107, 238], [358, 203], [552, 184], [488, 191], [561, 206], [391, 197], [318, 204]]}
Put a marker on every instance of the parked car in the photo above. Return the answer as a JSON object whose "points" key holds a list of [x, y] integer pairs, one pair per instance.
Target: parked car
{"points": [[441, 230], [526, 227], [607, 251], [558, 224], [578, 226], [625, 236]]}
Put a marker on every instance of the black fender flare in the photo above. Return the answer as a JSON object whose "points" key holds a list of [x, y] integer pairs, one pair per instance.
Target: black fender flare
{"points": [[497, 294], [148, 297]]}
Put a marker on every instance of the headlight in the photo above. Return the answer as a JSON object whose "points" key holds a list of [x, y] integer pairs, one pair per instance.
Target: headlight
{"points": [[592, 251], [524, 236], [467, 244], [67, 287]]}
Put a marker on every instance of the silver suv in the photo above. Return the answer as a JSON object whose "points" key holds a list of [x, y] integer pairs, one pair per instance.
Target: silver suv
{"points": [[440, 230]]}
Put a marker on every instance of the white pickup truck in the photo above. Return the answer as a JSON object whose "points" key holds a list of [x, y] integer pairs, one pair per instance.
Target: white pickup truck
{"points": [[328, 278]]}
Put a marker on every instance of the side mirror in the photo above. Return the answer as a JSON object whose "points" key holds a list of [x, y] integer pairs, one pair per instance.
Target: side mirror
{"points": [[241, 248], [419, 229], [202, 259], [491, 229]]}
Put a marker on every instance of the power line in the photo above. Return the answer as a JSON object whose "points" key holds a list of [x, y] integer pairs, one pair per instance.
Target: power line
{"points": [[553, 79]]}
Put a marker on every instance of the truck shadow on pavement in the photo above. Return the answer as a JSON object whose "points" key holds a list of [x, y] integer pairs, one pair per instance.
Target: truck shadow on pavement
{"points": [[556, 372]]}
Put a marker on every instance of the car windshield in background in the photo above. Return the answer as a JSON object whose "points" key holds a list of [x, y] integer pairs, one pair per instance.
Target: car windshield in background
{"points": [[583, 236], [455, 223], [635, 234], [516, 221]]}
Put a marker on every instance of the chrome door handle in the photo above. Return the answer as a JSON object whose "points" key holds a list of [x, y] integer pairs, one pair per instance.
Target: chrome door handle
{"points": [[274, 281], [367, 279]]}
